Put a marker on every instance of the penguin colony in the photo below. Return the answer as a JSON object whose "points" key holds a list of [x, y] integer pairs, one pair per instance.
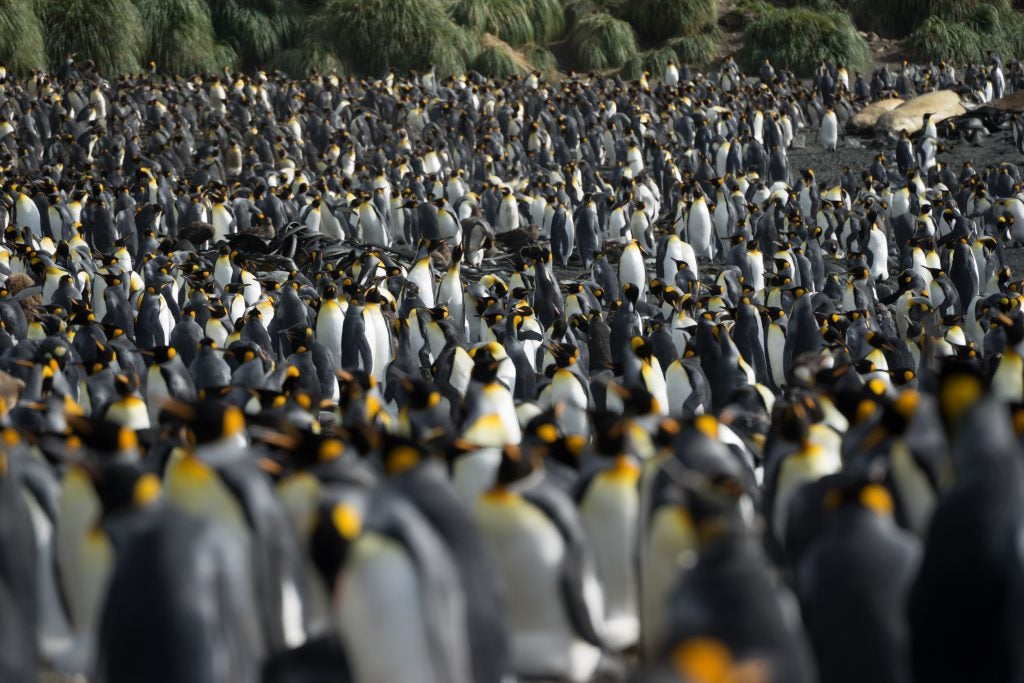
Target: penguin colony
{"points": [[443, 381]]}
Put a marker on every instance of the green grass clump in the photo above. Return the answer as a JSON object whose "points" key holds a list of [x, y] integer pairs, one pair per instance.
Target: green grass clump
{"points": [[819, 5], [800, 38], [497, 61], [994, 26], [652, 61], [600, 42], [698, 50], [742, 13], [548, 17], [303, 61], [889, 18], [21, 37], [756, 7], [373, 35], [541, 58], [660, 19], [507, 19], [1011, 24], [225, 55], [577, 9], [109, 32], [940, 39], [964, 10], [901, 18], [179, 35], [255, 29]]}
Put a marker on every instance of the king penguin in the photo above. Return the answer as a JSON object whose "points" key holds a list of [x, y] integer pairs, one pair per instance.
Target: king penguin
{"points": [[852, 584], [396, 600], [555, 600], [608, 501], [422, 481]]}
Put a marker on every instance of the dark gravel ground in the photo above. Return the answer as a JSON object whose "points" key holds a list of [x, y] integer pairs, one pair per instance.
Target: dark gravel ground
{"points": [[857, 152]]}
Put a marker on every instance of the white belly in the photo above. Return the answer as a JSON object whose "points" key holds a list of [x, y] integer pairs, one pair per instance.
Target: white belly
{"points": [[530, 552], [380, 617]]}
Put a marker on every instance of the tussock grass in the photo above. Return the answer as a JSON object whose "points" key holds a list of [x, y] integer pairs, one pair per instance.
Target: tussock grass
{"points": [[600, 42], [507, 19], [698, 50], [799, 38], [21, 37], [498, 61], [901, 18], [652, 61], [541, 58], [660, 19], [889, 18], [255, 29], [372, 35], [548, 17], [179, 35], [994, 26], [109, 32], [303, 61]]}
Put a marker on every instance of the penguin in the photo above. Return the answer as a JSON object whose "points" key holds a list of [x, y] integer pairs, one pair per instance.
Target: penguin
{"points": [[632, 270], [217, 481], [563, 235], [699, 228], [18, 571], [419, 611], [862, 533], [555, 600], [728, 569], [330, 323], [829, 131], [424, 482], [806, 463], [209, 369], [976, 516], [608, 502], [166, 566]]}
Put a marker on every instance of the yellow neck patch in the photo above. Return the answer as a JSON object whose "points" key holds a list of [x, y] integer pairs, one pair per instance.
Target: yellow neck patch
{"points": [[402, 459], [624, 471], [346, 521], [876, 497], [958, 394], [147, 489], [707, 425]]}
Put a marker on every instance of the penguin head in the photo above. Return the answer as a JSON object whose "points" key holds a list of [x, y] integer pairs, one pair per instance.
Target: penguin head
{"points": [[358, 397], [123, 486], [338, 526], [961, 385], [515, 467], [295, 448], [636, 400], [205, 421], [709, 478], [400, 454], [611, 433], [419, 395], [103, 441]]}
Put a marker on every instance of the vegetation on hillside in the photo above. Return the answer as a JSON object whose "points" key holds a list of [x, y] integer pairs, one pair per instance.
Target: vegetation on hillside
{"points": [[989, 27], [21, 36], [663, 19], [108, 32], [600, 41], [800, 38], [494, 37], [179, 35]]}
